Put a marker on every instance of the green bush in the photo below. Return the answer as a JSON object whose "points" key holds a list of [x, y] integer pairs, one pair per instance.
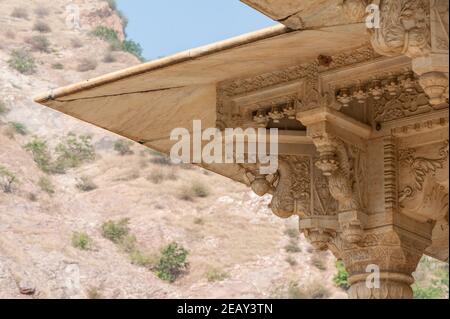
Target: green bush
{"points": [[7, 179], [443, 277], [81, 241], [22, 61], [123, 147], [109, 35], [341, 277], [172, 262], [133, 47], [19, 128], [86, 184], [116, 231], [41, 154], [427, 292], [431, 279], [46, 185], [73, 151]]}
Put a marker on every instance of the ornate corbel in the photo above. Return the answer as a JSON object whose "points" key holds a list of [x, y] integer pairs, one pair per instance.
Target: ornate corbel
{"points": [[292, 194], [290, 186], [342, 164], [298, 188]]}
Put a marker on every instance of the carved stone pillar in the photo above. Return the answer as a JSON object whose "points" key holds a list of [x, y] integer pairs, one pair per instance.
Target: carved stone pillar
{"points": [[419, 30], [382, 263], [380, 250]]}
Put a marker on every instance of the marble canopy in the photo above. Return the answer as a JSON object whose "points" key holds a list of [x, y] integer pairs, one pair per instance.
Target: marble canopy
{"points": [[364, 148]]}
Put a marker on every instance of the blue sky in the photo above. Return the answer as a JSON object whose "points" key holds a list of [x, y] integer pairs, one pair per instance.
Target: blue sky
{"points": [[165, 27]]}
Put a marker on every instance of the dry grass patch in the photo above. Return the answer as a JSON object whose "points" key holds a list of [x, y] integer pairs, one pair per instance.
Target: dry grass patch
{"points": [[76, 43], [20, 13], [292, 247], [86, 184], [42, 27], [292, 233], [10, 35], [156, 177], [86, 64], [292, 290], [109, 58], [194, 190], [216, 274], [318, 262], [57, 66], [81, 241], [39, 43], [46, 185], [3, 108], [291, 261], [42, 12], [123, 147], [22, 61], [94, 293], [8, 180]]}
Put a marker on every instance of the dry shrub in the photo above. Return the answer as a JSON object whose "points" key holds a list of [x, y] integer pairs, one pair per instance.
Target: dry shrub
{"points": [[156, 177], [39, 43], [314, 290], [41, 27], [42, 11], [10, 34], [76, 43], [20, 13], [109, 58], [86, 65]]}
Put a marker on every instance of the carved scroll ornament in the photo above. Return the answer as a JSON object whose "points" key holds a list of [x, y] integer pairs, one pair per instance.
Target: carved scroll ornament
{"points": [[405, 28]]}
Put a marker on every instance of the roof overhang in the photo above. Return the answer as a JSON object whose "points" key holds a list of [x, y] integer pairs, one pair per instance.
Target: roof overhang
{"points": [[146, 102]]}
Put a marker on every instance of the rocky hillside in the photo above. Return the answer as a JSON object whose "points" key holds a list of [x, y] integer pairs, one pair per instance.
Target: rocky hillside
{"points": [[89, 215]]}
